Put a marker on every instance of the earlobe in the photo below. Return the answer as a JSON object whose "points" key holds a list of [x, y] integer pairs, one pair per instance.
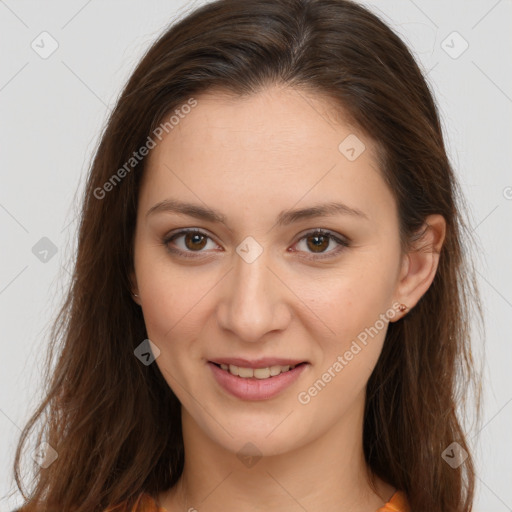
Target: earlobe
{"points": [[421, 262]]}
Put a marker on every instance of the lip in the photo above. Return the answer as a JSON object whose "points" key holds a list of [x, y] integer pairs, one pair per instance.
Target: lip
{"points": [[253, 388], [263, 362]]}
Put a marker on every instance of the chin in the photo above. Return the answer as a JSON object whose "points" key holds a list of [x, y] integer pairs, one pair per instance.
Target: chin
{"points": [[259, 440]]}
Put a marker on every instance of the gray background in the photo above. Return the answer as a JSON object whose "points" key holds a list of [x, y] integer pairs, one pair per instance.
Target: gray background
{"points": [[52, 111]]}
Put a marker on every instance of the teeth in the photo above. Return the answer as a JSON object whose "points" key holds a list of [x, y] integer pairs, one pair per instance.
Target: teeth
{"points": [[275, 370], [258, 373], [241, 372], [262, 373]]}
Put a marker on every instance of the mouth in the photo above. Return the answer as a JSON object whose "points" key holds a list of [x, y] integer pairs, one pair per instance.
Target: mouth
{"points": [[258, 382], [262, 373]]}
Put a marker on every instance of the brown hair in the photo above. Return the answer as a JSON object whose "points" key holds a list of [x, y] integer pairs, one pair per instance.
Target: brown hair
{"points": [[115, 422]]}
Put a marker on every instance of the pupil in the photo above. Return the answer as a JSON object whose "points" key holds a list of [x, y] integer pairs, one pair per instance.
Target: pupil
{"points": [[321, 245], [194, 237]]}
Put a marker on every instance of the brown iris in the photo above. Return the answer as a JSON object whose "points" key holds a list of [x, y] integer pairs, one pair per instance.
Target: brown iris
{"points": [[195, 241], [321, 242]]}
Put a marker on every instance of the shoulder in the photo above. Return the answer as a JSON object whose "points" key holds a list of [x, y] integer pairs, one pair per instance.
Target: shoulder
{"points": [[143, 503], [397, 503]]}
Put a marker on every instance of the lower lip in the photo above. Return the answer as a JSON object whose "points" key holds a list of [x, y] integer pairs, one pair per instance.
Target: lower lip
{"points": [[253, 388]]}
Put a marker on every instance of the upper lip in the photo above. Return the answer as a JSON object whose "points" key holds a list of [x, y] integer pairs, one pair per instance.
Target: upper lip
{"points": [[263, 362]]}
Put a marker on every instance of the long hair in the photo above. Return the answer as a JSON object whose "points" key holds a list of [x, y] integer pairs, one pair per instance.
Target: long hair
{"points": [[114, 422]]}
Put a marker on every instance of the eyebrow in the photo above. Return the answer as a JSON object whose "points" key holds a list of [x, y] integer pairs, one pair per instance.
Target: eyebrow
{"points": [[286, 217]]}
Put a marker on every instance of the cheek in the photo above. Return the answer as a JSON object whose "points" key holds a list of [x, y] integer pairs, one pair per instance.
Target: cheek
{"points": [[355, 304], [171, 315], [348, 357], [350, 299], [171, 293], [360, 327]]}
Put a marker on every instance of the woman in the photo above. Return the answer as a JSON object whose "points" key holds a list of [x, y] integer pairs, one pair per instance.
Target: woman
{"points": [[270, 304]]}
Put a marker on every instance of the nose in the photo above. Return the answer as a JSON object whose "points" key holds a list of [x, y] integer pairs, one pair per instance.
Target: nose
{"points": [[254, 300]]}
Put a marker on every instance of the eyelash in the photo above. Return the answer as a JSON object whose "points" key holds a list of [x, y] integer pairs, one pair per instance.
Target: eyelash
{"points": [[343, 244]]}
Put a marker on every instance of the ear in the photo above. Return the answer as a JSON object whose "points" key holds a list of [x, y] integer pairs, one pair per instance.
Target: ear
{"points": [[419, 265], [134, 287]]}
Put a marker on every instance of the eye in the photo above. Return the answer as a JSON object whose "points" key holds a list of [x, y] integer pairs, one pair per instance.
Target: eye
{"points": [[193, 240], [319, 240], [315, 242]]}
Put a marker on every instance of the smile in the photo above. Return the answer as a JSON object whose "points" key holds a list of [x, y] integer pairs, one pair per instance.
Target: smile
{"points": [[256, 383], [258, 373]]}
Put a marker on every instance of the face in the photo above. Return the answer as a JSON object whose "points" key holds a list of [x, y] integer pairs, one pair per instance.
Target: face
{"points": [[257, 282]]}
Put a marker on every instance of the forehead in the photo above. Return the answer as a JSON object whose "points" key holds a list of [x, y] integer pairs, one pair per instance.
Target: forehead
{"points": [[279, 144], [263, 121]]}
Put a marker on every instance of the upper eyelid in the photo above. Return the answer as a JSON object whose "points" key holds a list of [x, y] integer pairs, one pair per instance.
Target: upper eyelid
{"points": [[185, 231]]}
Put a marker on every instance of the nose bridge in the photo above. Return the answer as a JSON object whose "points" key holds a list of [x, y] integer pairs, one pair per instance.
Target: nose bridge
{"points": [[254, 301]]}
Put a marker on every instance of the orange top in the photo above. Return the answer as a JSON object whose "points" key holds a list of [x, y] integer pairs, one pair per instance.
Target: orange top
{"points": [[397, 503], [145, 503]]}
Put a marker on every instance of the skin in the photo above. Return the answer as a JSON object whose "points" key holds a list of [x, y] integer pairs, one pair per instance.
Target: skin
{"points": [[251, 158]]}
